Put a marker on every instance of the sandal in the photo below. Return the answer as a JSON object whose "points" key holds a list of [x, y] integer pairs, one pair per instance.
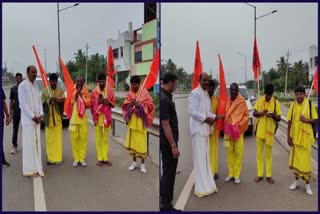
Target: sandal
{"points": [[258, 179], [270, 180]]}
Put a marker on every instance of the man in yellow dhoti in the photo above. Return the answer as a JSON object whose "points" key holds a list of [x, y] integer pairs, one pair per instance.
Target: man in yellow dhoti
{"points": [[300, 117], [235, 124], [78, 125], [214, 136], [267, 111], [138, 110], [53, 99], [102, 100]]}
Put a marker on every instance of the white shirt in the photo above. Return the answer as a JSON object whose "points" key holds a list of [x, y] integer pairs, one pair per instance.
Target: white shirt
{"points": [[199, 110], [29, 101]]}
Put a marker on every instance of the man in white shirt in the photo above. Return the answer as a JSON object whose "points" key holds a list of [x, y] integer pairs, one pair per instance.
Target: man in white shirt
{"points": [[201, 120], [31, 117]]}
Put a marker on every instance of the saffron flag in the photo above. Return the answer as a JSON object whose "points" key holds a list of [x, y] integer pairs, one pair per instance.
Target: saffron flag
{"points": [[111, 70], [256, 66], [223, 96], [44, 77], [197, 67], [315, 80], [151, 79], [69, 88]]}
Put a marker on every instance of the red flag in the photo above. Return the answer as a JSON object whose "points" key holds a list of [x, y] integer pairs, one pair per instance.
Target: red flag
{"points": [[69, 88], [197, 68], [43, 74], [223, 96], [111, 70], [315, 80], [151, 79], [256, 66]]}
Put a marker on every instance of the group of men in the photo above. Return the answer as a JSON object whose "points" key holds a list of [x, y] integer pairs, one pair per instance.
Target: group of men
{"points": [[26, 102], [203, 117]]}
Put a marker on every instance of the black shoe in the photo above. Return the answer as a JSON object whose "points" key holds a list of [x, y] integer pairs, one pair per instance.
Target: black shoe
{"points": [[175, 210], [5, 164]]}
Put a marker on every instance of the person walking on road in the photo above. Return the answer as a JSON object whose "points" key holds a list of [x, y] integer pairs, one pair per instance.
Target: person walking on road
{"points": [[214, 135], [102, 100], [267, 112], [169, 137], [235, 124], [31, 118], [53, 99], [5, 114], [201, 120], [301, 115], [137, 110], [15, 112], [78, 125]]}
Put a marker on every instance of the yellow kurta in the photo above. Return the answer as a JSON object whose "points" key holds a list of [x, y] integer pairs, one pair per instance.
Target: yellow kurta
{"points": [[54, 135], [136, 140], [265, 133], [214, 139], [78, 128], [302, 138]]}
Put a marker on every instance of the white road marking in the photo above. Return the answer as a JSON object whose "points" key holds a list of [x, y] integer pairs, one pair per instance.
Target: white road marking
{"points": [[39, 200], [183, 198]]}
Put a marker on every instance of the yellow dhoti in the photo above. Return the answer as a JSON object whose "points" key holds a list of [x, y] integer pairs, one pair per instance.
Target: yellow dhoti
{"points": [[54, 143], [136, 140], [300, 162]]}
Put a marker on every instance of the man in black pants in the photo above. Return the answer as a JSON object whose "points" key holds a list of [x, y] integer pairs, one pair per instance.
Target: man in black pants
{"points": [[15, 112], [169, 136], [5, 111]]}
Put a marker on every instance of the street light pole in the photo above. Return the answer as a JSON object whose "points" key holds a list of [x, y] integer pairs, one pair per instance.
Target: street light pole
{"points": [[60, 74], [255, 27], [59, 46], [245, 67]]}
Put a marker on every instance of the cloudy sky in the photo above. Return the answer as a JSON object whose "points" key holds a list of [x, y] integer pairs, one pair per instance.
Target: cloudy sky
{"points": [[228, 28], [27, 24]]}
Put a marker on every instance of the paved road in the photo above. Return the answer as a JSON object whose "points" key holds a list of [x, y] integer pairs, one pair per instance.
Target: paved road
{"points": [[248, 195], [86, 189]]}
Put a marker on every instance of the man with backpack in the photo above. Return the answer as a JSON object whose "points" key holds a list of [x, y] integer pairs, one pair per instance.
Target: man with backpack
{"points": [[267, 112], [302, 114]]}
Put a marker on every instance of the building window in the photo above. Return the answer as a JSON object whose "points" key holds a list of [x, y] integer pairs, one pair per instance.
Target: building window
{"points": [[115, 53], [121, 51], [316, 61], [311, 65], [138, 56]]}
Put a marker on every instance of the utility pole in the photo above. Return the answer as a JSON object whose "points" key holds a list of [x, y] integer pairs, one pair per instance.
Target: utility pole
{"points": [[87, 47], [286, 83]]}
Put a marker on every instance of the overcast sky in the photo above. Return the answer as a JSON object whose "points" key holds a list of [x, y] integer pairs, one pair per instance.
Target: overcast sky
{"points": [[228, 28], [27, 24]]}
